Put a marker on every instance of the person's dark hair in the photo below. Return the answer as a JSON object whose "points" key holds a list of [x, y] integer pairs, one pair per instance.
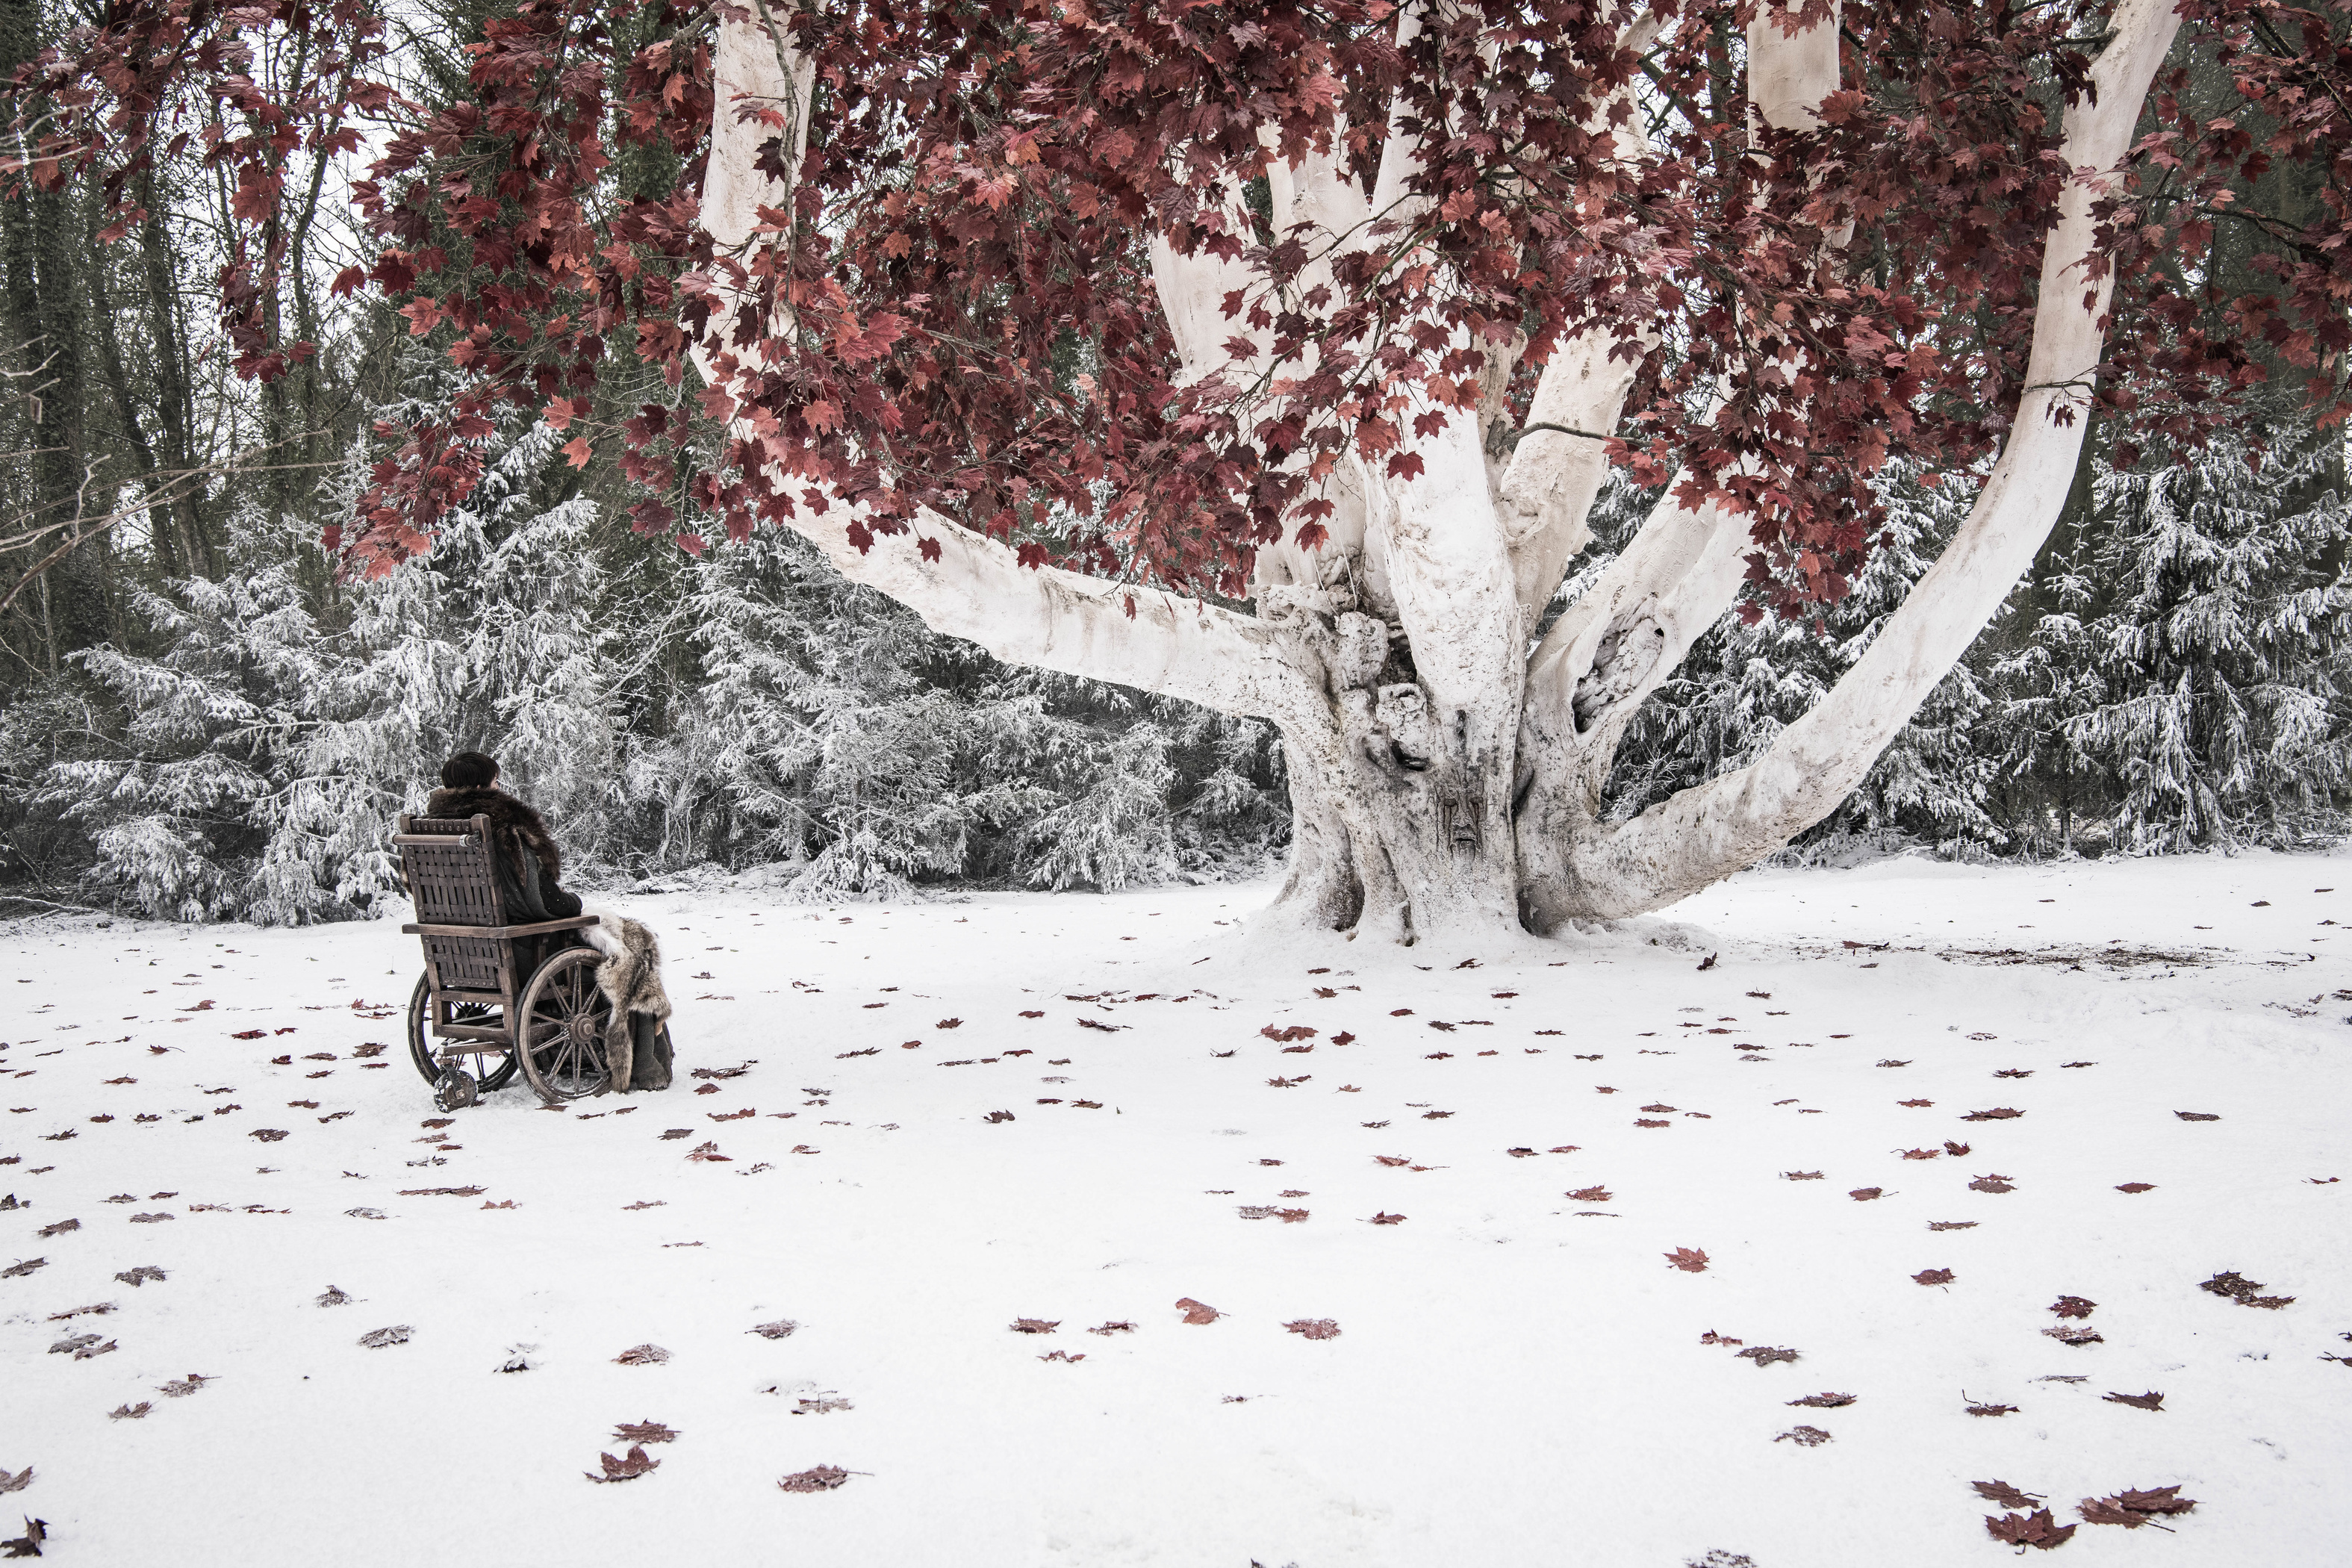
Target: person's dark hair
{"points": [[469, 770]]}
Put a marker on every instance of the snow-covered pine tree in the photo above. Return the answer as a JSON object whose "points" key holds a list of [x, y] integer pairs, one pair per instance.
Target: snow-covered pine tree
{"points": [[815, 733], [182, 814], [522, 596], [266, 746], [2220, 714], [2045, 675]]}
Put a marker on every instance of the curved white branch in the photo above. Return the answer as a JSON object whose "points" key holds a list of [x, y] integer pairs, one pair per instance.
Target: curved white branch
{"points": [[1546, 492], [975, 587], [754, 66], [1680, 574], [1789, 74], [978, 590], [1709, 831], [1553, 477], [1192, 290]]}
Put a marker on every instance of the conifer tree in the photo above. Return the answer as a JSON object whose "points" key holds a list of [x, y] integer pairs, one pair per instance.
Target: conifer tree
{"points": [[2221, 711]]}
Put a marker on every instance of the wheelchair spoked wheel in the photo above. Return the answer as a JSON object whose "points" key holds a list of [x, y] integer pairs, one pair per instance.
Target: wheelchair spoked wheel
{"points": [[493, 1069], [560, 1028]]}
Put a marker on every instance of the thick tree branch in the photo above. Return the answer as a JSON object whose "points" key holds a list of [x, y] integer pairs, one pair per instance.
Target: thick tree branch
{"points": [[1789, 73], [1081, 625], [755, 66], [1549, 489], [1547, 493], [1192, 290], [961, 581]]}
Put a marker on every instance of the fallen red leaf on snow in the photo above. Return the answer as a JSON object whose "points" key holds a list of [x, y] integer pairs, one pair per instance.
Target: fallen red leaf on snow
{"points": [[624, 1470], [818, 1478], [1197, 1312], [2036, 1529], [1688, 1260], [647, 1431], [2133, 1508], [2243, 1291]]}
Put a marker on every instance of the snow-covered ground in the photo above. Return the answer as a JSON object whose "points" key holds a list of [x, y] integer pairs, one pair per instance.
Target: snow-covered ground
{"points": [[1520, 1374]]}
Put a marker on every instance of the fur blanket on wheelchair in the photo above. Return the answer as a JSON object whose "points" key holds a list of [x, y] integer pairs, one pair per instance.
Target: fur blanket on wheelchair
{"points": [[636, 1047]]}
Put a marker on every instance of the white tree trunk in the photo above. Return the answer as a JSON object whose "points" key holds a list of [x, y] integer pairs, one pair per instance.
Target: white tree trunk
{"points": [[1445, 779]]}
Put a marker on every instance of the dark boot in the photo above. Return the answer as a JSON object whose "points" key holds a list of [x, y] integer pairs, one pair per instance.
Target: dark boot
{"points": [[651, 1051]]}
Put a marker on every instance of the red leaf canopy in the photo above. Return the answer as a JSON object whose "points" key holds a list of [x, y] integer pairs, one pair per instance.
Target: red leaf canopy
{"points": [[957, 310]]}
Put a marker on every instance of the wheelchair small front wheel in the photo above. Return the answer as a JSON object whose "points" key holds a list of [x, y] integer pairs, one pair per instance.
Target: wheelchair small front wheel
{"points": [[423, 1050]]}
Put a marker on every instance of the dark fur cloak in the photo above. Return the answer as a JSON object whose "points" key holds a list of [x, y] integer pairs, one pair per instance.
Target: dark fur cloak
{"points": [[531, 864], [637, 1048]]}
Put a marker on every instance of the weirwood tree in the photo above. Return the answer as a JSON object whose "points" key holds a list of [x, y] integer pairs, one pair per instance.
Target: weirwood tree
{"points": [[1270, 353]]}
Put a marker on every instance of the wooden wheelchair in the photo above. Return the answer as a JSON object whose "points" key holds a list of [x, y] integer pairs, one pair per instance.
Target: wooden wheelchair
{"points": [[511, 997]]}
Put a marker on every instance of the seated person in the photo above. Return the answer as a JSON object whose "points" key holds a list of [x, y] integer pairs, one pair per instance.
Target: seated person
{"points": [[529, 868], [528, 864]]}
